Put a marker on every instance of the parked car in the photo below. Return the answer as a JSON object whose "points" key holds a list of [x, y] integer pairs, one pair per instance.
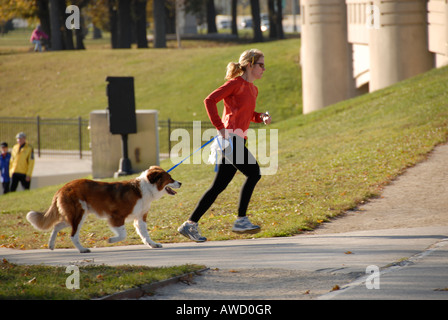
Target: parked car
{"points": [[225, 24], [247, 23], [264, 22]]}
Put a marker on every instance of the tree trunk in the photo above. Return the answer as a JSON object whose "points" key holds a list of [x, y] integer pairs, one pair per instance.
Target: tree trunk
{"points": [[124, 24], [97, 33], [79, 34], [234, 16], [113, 24], [140, 23], [43, 13], [211, 17], [255, 9], [56, 37], [272, 19], [280, 34], [159, 24], [67, 34]]}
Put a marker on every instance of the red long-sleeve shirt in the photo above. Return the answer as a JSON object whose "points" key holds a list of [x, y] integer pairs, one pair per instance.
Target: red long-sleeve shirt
{"points": [[239, 98]]}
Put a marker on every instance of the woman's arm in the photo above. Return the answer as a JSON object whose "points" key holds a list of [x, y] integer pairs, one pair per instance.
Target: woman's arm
{"points": [[213, 98]]}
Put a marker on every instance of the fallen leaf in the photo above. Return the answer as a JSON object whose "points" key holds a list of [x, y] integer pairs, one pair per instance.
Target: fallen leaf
{"points": [[348, 252], [335, 288], [188, 279], [32, 281]]}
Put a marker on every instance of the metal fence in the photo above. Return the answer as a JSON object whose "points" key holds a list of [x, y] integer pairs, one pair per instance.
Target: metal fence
{"points": [[49, 136], [167, 126], [71, 137]]}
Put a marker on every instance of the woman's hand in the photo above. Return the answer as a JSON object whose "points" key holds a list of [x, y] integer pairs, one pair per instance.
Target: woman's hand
{"points": [[266, 118]]}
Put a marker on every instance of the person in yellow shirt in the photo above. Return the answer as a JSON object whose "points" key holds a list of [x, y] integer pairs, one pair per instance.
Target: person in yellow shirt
{"points": [[22, 163]]}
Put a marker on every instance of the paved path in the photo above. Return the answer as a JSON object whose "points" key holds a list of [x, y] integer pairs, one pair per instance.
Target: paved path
{"points": [[341, 257], [412, 254]]}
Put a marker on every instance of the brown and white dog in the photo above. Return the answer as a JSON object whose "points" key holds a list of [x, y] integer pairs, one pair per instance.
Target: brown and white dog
{"points": [[114, 201]]}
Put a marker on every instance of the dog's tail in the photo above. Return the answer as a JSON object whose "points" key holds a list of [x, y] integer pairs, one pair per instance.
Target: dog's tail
{"points": [[45, 221]]}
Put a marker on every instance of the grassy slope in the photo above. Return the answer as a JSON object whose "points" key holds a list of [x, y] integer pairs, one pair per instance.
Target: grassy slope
{"points": [[175, 82], [329, 161]]}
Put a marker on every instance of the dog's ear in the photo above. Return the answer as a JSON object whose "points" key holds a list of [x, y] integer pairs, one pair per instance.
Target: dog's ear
{"points": [[154, 175]]}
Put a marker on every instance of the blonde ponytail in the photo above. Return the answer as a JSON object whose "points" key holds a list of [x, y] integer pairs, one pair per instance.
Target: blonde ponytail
{"points": [[248, 57], [233, 70]]}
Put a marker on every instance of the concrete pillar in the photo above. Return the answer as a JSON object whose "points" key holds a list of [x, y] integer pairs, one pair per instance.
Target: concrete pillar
{"points": [[326, 55], [143, 147], [399, 46], [359, 21], [438, 30]]}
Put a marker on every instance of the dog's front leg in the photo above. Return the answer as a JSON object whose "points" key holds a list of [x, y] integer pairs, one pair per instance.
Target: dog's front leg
{"points": [[142, 231]]}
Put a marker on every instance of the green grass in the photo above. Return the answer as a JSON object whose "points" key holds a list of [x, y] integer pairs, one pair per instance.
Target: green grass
{"points": [[41, 282], [69, 84], [330, 161]]}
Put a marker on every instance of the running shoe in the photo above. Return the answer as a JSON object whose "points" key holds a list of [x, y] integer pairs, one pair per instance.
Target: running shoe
{"points": [[243, 225], [191, 230]]}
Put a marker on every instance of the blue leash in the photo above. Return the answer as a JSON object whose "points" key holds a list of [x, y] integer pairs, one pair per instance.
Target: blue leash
{"points": [[173, 167]]}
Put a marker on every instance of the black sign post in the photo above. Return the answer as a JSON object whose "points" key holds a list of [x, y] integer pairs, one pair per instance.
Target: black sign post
{"points": [[122, 117]]}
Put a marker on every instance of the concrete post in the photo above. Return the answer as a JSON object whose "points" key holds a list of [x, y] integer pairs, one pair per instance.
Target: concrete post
{"points": [[399, 47], [326, 55], [106, 147]]}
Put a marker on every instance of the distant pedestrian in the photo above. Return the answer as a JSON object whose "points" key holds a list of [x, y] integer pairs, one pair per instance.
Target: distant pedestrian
{"points": [[38, 37], [5, 158], [22, 163]]}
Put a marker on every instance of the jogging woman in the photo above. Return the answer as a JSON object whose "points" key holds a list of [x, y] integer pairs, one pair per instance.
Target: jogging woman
{"points": [[239, 95]]}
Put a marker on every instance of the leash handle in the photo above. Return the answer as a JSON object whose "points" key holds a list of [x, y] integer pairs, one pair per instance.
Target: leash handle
{"points": [[222, 150], [266, 115]]}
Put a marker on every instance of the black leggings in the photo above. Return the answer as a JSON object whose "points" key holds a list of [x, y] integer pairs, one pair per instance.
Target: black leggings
{"points": [[240, 159]]}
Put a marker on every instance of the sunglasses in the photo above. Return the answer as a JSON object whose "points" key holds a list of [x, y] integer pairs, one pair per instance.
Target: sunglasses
{"points": [[261, 64]]}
